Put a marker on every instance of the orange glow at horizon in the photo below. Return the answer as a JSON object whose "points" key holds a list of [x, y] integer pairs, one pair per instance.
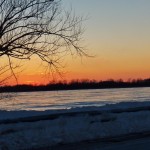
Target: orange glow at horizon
{"points": [[40, 80], [90, 68], [105, 65]]}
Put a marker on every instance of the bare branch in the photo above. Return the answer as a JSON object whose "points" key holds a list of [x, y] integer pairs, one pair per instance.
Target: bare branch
{"points": [[41, 28]]}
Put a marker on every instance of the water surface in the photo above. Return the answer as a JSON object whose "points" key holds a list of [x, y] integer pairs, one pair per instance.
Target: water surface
{"points": [[46, 100]]}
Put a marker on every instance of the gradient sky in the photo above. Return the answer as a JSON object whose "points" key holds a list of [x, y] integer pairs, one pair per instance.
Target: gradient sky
{"points": [[117, 32]]}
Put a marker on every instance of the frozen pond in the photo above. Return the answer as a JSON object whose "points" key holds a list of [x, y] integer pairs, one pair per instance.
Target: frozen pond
{"points": [[47, 100]]}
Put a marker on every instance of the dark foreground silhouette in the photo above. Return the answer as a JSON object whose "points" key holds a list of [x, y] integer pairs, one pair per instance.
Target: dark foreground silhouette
{"points": [[135, 143], [77, 84]]}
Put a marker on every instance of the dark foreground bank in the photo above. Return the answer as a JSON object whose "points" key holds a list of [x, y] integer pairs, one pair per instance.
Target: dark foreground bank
{"points": [[132, 142], [89, 129]]}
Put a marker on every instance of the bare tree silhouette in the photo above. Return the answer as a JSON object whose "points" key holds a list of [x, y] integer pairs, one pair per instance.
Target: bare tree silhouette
{"points": [[41, 28]]}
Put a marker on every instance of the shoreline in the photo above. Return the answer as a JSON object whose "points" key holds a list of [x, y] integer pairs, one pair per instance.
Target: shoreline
{"points": [[24, 91]]}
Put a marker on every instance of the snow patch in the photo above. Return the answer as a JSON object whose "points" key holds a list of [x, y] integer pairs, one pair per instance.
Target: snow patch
{"points": [[73, 125]]}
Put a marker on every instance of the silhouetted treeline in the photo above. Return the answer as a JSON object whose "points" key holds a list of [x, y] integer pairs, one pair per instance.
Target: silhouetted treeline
{"points": [[78, 84]]}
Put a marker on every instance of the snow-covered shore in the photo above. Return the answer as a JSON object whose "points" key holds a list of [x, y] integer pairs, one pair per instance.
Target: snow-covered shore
{"points": [[31, 129]]}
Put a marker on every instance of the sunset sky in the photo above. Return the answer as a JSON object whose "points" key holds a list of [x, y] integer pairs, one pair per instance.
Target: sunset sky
{"points": [[117, 33]]}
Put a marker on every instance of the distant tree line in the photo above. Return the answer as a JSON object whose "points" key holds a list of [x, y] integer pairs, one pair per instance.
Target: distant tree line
{"points": [[78, 84]]}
